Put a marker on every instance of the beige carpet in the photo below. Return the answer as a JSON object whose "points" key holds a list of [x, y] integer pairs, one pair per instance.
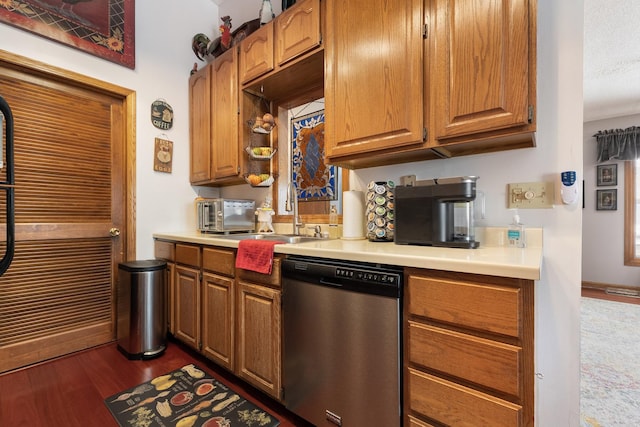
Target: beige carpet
{"points": [[610, 363]]}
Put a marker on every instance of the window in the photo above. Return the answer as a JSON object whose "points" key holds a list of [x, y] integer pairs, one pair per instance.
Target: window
{"points": [[632, 212]]}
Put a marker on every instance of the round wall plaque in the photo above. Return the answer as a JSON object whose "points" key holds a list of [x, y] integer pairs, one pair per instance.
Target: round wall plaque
{"points": [[161, 114]]}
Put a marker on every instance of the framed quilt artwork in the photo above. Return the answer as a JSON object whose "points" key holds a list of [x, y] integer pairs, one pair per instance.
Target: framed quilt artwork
{"points": [[607, 200], [607, 175], [104, 28], [313, 178]]}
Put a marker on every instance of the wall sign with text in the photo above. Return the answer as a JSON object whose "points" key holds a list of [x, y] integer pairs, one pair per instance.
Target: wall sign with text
{"points": [[161, 114]]}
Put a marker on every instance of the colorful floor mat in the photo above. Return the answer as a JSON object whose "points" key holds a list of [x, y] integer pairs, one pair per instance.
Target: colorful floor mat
{"points": [[186, 397]]}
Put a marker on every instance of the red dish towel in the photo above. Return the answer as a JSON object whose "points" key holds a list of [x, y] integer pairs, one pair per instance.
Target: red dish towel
{"points": [[256, 255]]}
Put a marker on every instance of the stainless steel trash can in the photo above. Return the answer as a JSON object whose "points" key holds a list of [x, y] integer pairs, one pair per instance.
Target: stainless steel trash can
{"points": [[141, 325]]}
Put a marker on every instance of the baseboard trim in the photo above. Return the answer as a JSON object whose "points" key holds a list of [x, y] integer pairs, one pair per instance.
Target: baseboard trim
{"points": [[622, 293]]}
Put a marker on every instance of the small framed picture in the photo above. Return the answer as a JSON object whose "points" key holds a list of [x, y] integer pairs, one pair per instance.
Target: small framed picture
{"points": [[607, 175], [607, 200]]}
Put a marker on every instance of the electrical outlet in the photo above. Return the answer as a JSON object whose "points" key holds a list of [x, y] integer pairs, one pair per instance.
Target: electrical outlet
{"points": [[530, 195]]}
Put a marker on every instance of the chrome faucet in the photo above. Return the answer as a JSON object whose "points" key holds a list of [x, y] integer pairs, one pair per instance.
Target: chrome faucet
{"points": [[317, 230], [291, 205]]}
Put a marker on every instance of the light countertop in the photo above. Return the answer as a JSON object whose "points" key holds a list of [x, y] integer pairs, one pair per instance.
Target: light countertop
{"points": [[490, 258]]}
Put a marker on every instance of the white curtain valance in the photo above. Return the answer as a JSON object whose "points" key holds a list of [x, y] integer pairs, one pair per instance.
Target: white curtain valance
{"points": [[619, 144]]}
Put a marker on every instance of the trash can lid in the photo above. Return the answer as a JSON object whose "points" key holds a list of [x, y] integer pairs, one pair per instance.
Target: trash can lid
{"points": [[143, 265]]}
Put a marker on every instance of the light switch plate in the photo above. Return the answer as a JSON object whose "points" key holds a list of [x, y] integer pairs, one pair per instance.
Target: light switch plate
{"points": [[530, 195]]}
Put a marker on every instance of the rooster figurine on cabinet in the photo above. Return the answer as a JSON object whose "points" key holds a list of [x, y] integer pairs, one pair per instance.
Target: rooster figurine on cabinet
{"points": [[205, 48]]}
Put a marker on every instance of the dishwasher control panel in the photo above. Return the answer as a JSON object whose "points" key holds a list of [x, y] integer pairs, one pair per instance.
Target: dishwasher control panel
{"points": [[368, 276], [361, 277]]}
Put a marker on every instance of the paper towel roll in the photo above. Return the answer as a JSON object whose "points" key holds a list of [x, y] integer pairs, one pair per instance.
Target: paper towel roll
{"points": [[352, 215]]}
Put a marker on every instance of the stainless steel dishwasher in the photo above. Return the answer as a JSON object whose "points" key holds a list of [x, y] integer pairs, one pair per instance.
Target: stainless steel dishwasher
{"points": [[342, 342]]}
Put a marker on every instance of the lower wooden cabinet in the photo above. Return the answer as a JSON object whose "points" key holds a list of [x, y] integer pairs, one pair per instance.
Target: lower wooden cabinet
{"points": [[187, 306], [258, 340], [171, 296], [166, 250], [259, 337], [231, 317], [218, 319], [469, 347], [218, 305]]}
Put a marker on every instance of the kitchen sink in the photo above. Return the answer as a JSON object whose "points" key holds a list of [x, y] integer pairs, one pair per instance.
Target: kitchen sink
{"points": [[286, 238]]}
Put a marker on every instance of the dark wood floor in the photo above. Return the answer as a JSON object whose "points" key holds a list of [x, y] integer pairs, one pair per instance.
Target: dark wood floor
{"points": [[69, 391]]}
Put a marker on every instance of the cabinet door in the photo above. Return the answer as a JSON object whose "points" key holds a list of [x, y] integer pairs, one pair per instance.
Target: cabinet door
{"points": [[166, 250], [188, 306], [373, 76], [218, 319], [297, 30], [171, 296], [256, 53], [200, 125], [480, 75], [259, 337], [224, 115]]}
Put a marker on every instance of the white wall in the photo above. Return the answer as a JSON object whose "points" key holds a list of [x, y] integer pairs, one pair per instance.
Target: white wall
{"points": [[163, 61], [602, 235], [165, 201]]}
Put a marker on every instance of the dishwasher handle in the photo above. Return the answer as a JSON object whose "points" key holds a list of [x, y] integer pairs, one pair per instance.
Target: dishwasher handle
{"points": [[326, 282]]}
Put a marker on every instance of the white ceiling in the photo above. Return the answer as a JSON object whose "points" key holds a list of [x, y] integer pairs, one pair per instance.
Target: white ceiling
{"points": [[611, 58]]}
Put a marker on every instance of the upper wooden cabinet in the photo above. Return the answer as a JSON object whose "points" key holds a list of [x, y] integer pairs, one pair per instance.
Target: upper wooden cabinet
{"points": [[256, 53], [293, 33], [483, 64], [214, 121], [373, 78], [297, 30], [284, 58], [225, 112], [424, 80], [200, 125]]}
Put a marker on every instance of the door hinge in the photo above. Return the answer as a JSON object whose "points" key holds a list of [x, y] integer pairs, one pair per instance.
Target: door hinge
{"points": [[425, 134], [531, 112], [199, 345], [425, 31]]}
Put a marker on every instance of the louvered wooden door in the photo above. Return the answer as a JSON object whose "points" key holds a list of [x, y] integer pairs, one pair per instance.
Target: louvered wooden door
{"points": [[58, 296]]}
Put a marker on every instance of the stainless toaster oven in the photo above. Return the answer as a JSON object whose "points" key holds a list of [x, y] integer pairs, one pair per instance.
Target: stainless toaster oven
{"points": [[226, 215]]}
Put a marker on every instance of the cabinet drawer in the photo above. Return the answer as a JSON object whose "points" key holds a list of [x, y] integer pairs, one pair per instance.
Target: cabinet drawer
{"points": [[164, 250], [483, 306], [453, 404], [188, 255], [272, 279], [219, 261], [488, 363]]}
